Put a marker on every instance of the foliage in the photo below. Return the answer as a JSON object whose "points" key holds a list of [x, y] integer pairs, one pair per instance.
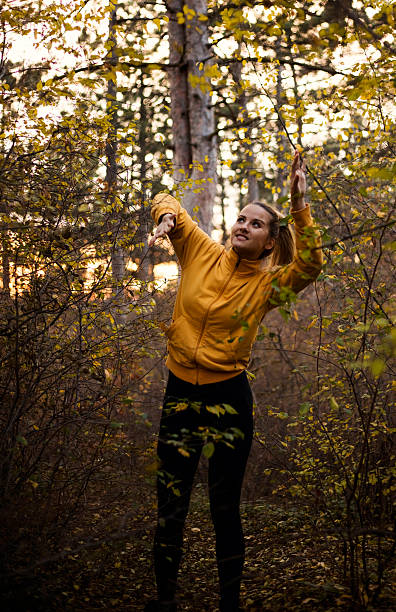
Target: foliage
{"points": [[81, 345], [335, 447]]}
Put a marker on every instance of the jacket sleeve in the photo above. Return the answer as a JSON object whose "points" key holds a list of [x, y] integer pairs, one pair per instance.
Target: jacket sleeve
{"points": [[283, 282], [187, 238]]}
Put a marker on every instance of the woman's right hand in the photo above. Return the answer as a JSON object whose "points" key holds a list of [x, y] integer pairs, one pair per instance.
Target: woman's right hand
{"points": [[298, 182], [167, 224]]}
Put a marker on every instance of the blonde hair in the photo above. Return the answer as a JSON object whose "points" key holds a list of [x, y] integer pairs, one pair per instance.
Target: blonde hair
{"points": [[284, 249]]}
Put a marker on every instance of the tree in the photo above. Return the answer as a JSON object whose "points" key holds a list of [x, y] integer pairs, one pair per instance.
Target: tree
{"points": [[192, 113], [89, 131]]}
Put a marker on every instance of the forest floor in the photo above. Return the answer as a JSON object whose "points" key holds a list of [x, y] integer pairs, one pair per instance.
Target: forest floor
{"points": [[288, 567]]}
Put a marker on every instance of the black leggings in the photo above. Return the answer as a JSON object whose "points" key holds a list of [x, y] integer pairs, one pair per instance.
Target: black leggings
{"points": [[218, 418]]}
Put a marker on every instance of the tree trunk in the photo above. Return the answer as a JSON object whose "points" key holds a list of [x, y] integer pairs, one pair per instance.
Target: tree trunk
{"points": [[222, 198], [178, 84], [194, 137], [5, 274], [143, 253], [5, 259], [117, 253]]}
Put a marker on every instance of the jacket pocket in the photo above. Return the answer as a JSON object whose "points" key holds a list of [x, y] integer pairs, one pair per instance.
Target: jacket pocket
{"points": [[182, 341], [243, 346]]}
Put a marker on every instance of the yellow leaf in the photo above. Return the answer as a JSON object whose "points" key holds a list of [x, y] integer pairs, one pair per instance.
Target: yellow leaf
{"points": [[333, 404], [377, 367]]}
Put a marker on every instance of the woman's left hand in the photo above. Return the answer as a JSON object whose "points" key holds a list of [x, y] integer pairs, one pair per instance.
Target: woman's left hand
{"points": [[298, 183]]}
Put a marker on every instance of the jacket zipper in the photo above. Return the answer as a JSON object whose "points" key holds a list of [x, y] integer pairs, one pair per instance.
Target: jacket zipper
{"points": [[207, 314]]}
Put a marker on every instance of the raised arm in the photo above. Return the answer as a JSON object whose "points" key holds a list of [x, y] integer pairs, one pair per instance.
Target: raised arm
{"points": [[282, 282], [174, 221]]}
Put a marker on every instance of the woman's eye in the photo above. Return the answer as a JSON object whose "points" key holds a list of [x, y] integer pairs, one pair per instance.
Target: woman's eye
{"points": [[256, 224]]}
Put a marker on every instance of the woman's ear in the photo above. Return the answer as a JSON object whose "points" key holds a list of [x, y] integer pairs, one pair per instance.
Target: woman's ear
{"points": [[269, 245]]}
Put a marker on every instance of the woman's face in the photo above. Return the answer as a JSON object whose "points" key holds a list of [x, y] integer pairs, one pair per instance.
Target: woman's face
{"points": [[250, 234]]}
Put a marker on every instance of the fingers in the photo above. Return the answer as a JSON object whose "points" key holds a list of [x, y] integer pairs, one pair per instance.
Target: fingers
{"points": [[296, 161], [295, 188], [298, 182], [159, 233], [162, 230], [172, 219], [298, 185], [152, 240]]}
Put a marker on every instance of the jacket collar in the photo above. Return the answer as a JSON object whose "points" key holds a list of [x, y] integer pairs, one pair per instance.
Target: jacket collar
{"points": [[243, 266]]}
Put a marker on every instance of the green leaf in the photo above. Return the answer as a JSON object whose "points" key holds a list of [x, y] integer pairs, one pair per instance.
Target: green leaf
{"points": [[353, 94], [304, 408], [282, 200], [208, 450], [377, 366], [217, 410], [285, 220], [333, 404], [116, 425], [229, 409], [21, 440]]}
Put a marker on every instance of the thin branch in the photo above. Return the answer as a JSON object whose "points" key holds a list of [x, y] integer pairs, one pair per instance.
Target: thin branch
{"points": [[353, 235]]}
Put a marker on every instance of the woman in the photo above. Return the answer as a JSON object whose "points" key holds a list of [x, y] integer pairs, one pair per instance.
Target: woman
{"points": [[222, 297]]}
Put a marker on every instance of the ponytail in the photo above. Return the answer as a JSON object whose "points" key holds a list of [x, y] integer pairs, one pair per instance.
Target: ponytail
{"points": [[285, 247], [283, 251]]}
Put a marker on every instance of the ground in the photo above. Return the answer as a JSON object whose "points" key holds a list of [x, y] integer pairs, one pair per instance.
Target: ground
{"points": [[288, 567]]}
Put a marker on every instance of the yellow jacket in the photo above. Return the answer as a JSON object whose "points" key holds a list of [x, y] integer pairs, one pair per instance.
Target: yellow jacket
{"points": [[222, 299]]}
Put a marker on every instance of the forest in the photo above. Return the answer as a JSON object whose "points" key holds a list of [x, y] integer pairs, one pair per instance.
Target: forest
{"points": [[105, 104]]}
